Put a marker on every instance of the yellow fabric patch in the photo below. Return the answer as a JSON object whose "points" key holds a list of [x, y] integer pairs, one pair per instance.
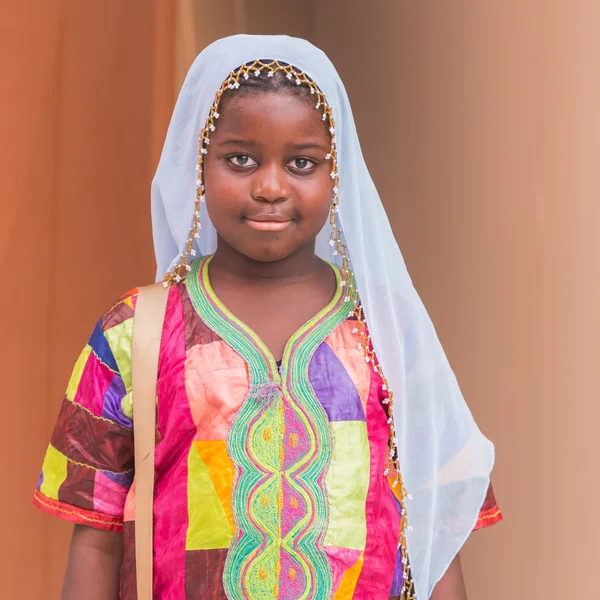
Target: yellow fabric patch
{"points": [[77, 372], [55, 472], [347, 586], [119, 340], [127, 405], [210, 478], [348, 485]]}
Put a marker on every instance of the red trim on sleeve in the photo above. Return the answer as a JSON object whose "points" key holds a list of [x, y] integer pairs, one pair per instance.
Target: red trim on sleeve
{"points": [[77, 515], [489, 517], [490, 512]]}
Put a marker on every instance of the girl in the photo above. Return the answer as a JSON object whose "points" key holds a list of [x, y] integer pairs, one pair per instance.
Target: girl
{"points": [[301, 453]]}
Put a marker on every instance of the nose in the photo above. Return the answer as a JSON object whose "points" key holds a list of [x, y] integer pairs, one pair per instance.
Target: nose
{"points": [[269, 184]]}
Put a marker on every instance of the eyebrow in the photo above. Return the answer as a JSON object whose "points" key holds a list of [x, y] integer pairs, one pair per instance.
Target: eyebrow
{"points": [[237, 142], [310, 146], [253, 144]]}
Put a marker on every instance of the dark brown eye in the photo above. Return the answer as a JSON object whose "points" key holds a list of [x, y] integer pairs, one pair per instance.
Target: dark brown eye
{"points": [[302, 164], [242, 160]]}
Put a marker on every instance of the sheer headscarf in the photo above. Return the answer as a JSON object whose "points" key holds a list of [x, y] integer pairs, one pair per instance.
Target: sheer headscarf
{"points": [[445, 462]]}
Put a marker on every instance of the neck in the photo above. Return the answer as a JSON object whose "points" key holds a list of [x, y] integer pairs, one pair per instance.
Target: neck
{"points": [[233, 265]]}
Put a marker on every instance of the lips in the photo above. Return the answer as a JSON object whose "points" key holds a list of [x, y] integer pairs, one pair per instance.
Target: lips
{"points": [[268, 222], [266, 218]]}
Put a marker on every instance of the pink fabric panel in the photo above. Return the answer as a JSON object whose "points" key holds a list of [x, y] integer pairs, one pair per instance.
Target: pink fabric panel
{"points": [[94, 382], [177, 429], [215, 394], [383, 520], [109, 496], [344, 343]]}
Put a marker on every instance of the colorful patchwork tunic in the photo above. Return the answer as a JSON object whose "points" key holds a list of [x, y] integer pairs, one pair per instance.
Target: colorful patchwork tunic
{"points": [[270, 478]]}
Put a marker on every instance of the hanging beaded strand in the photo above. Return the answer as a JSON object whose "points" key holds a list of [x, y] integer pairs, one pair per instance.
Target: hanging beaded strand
{"points": [[392, 469], [336, 241]]}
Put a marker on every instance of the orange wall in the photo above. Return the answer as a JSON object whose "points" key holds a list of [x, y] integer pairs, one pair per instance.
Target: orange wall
{"points": [[82, 105], [28, 164], [480, 125], [452, 148], [200, 22], [567, 369]]}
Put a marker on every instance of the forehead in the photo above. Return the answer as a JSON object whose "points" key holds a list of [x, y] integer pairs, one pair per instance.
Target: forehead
{"points": [[268, 113]]}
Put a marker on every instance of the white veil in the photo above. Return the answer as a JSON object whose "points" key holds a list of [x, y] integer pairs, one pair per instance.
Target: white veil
{"points": [[445, 461]]}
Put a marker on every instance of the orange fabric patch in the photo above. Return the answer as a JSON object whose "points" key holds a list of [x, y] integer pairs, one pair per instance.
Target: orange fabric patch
{"points": [[221, 471], [347, 586], [129, 510]]}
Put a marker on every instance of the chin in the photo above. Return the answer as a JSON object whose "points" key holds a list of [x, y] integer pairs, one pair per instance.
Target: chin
{"points": [[266, 253], [267, 256]]}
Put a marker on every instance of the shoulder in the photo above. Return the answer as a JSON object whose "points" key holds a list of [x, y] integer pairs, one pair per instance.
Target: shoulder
{"points": [[121, 315], [121, 312]]}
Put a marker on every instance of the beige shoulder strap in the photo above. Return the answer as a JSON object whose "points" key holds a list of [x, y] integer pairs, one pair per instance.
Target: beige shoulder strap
{"points": [[147, 331]]}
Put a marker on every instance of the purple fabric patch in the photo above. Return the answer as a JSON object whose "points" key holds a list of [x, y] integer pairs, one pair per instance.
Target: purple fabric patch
{"points": [[123, 479], [398, 580], [111, 406], [333, 386], [398, 576], [40, 480]]}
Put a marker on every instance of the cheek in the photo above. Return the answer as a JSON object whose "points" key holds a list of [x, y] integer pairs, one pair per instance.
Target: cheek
{"points": [[317, 196], [215, 177], [222, 189]]}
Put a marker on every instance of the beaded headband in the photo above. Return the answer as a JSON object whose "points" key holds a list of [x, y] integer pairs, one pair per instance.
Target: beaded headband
{"points": [[336, 241]]}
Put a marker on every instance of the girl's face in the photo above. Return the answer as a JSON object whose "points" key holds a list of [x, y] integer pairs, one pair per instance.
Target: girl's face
{"points": [[267, 182]]}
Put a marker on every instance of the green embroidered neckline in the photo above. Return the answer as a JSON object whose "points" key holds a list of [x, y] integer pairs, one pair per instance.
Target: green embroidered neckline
{"points": [[279, 500]]}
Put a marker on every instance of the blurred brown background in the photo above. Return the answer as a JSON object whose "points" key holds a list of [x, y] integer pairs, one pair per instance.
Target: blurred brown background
{"points": [[480, 122]]}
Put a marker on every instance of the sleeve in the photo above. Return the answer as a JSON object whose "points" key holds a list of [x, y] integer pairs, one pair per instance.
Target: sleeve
{"points": [[490, 512], [489, 515], [88, 467]]}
